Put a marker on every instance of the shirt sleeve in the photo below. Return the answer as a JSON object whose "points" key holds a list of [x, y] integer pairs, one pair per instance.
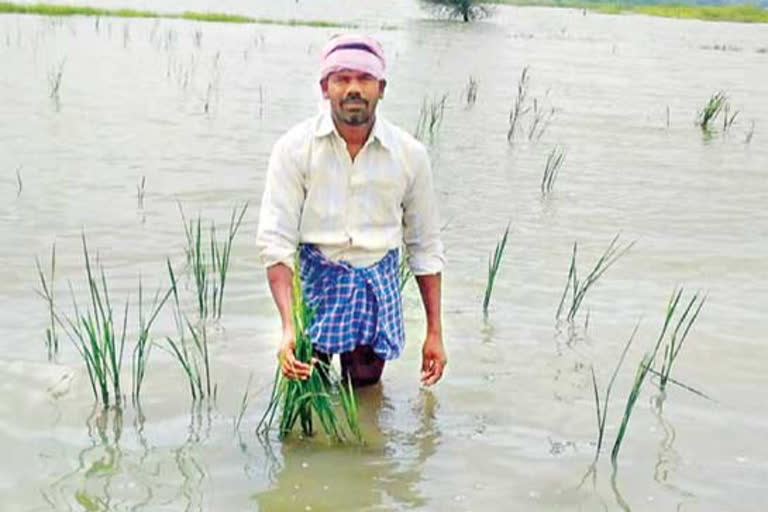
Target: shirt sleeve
{"points": [[280, 213], [421, 219]]}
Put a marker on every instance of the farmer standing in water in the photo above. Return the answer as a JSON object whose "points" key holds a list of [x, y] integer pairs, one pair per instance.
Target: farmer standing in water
{"points": [[346, 189]]}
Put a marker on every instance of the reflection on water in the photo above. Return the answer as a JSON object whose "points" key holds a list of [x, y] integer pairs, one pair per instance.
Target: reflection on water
{"points": [[386, 471], [109, 477]]}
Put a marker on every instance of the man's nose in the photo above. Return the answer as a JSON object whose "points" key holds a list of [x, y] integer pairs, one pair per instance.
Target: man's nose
{"points": [[353, 87]]}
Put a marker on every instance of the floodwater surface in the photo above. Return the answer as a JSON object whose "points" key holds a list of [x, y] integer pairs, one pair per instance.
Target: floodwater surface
{"points": [[192, 109]]}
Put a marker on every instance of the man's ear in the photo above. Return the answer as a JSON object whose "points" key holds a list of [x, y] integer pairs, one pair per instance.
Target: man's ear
{"points": [[324, 87], [382, 86]]}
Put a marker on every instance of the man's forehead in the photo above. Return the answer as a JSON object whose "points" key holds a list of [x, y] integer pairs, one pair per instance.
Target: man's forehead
{"points": [[351, 73]]}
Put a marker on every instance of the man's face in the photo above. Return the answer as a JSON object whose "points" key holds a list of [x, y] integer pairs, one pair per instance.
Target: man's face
{"points": [[353, 96]]}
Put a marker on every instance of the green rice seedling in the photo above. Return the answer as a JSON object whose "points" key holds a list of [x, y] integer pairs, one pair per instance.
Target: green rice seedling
{"points": [[305, 400], [675, 341], [728, 117], [602, 413], [192, 355], [551, 169], [470, 92], [579, 288], [210, 268], [20, 184], [519, 109], [54, 81], [144, 343], [243, 405], [95, 336], [541, 118], [634, 393], [221, 257], [750, 133], [47, 293], [430, 118], [711, 110], [140, 190], [494, 262]]}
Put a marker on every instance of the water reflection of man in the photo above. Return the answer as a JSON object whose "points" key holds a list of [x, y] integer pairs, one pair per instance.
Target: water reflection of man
{"points": [[346, 189], [385, 474]]}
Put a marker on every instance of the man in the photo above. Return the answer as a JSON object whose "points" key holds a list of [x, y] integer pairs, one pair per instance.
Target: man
{"points": [[346, 189]]}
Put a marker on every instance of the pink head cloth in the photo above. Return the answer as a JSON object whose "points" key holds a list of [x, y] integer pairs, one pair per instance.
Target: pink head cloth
{"points": [[353, 51]]}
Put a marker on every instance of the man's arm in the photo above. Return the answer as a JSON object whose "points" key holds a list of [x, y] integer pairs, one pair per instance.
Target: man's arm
{"points": [[280, 278], [433, 359]]}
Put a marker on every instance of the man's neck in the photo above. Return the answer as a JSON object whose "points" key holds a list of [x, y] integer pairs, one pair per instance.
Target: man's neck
{"points": [[356, 135]]}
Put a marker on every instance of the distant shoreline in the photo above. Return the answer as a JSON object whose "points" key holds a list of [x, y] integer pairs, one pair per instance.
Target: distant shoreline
{"points": [[737, 13], [77, 10]]}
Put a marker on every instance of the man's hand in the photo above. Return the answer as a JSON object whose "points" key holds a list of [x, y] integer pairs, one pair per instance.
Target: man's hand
{"points": [[291, 367], [433, 359]]}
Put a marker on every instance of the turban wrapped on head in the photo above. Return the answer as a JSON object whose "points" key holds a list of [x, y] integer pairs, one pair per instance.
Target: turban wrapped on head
{"points": [[355, 52]]}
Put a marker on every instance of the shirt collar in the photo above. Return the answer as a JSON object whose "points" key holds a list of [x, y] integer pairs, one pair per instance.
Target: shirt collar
{"points": [[380, 132]]}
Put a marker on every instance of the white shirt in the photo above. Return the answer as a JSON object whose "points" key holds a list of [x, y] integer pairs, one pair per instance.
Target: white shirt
{"points": [[354, 211]]}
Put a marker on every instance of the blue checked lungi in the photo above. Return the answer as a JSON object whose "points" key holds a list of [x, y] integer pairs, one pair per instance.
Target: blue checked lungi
{"points": [[353, 306]]}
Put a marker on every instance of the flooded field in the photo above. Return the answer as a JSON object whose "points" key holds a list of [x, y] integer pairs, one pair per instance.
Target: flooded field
{"points": [[109, 125]]}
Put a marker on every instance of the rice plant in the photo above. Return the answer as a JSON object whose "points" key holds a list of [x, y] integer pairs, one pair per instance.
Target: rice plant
{"points": [[579, 288], [210, 267], [728, 117], [602, 412], [711, 110], [98, 338], [48, 294], [140, 190], [20, 184], [54, 81], [634, 393], [675, 341], [551, 169], [542, 116], [750, 133], [243, 404], [192, 354], [430, 118], [305, 400], [143, 345], [494, 262], [519, 108], [470, 92]]}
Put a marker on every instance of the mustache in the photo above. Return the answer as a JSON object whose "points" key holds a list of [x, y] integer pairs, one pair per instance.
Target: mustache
{"points": [[354, 99]]}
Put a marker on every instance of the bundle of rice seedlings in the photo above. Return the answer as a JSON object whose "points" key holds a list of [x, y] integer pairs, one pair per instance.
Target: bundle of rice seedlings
{"points": [[315, 397], [95, 336], [712, 109]]}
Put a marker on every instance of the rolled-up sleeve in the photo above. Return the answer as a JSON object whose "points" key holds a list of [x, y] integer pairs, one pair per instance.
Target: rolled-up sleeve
{"points": [[421, 218], [280, 213]]}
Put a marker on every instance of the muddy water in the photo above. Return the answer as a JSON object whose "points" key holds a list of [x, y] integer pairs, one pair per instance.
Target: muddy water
{"points": [[512, 425]]}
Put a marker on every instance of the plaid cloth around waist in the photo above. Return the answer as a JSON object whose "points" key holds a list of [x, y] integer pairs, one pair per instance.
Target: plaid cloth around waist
{"points": [[353, 306]]}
